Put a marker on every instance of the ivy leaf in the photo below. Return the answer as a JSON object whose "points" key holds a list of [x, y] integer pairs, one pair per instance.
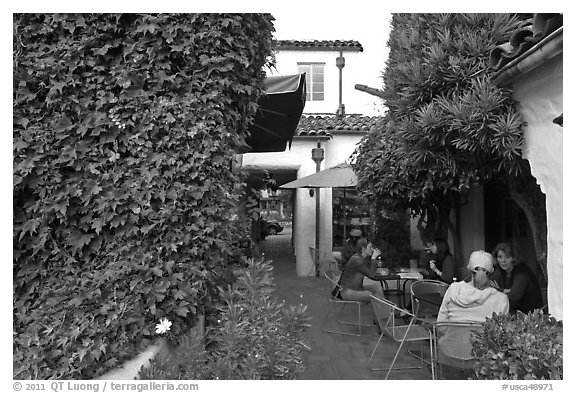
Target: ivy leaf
{"points": [[97, 225], [182, 311], [29, 226], [78, 239], [57, 86], [22, 121], [64, 124], [102, 51], [93, 188], [118, 220]]}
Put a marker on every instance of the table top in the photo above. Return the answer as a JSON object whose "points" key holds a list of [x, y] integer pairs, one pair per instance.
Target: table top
{"points": [[396, 274]]}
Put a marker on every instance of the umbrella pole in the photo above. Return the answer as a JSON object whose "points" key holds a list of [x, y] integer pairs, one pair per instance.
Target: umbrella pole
{"points": [[344, 240], [317, 157], [317, 261]]}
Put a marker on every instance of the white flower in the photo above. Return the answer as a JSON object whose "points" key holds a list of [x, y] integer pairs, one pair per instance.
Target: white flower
{"points": [[163, 326]]}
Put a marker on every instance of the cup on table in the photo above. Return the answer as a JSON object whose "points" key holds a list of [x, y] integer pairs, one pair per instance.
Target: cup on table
{"points": [[413, 264]]}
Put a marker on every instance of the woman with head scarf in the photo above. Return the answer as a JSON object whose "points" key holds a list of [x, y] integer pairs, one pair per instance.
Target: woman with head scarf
{"points": [[474, 300], [516, 279]]}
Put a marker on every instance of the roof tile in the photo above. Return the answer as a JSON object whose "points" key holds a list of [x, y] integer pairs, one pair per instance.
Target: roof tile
{"points": [[531, 33], [328, 124], [343, 45]]}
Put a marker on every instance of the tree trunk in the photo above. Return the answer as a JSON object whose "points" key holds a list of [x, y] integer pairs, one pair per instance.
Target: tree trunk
{"points": [[527, 194], [437, 223]]}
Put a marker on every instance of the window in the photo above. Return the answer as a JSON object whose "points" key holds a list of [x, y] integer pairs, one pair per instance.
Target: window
{"points": [[314, 80]]}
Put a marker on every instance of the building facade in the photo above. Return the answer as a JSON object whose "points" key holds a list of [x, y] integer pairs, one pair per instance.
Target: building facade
{"points": [[336, 117]]}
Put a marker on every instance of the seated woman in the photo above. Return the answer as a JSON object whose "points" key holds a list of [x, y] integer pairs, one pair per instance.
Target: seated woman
{"points": [[442, 261], [361, 264], [516, 280], [467, 301], [476, 300], [351, 246]]}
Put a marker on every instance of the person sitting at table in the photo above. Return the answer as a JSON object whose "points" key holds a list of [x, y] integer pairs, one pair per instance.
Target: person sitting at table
{"points": [[361, 264], [474, 300], [442, 262], [351, 244], [516, 279], [425, 256]]}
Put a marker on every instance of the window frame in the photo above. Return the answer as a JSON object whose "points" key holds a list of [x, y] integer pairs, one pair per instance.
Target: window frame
{"points": [[312, 85]]}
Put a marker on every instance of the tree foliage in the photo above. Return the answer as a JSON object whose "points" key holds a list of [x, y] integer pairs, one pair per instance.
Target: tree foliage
{"points": [[124, 128], [447, 126]]}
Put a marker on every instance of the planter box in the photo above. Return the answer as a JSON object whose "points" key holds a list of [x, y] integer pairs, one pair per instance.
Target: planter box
{"points": [[130, 369]]}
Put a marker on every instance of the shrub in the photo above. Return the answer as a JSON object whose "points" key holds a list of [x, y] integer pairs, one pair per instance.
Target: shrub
{"points": [[256, 337], [519, 346], [124, 129]]}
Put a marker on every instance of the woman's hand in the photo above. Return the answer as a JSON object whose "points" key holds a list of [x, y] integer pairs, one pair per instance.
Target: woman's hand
{"points": [[376, 253], [433, 268]]}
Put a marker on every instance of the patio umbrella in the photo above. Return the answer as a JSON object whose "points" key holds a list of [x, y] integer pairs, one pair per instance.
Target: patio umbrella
{"points": [[341, 175], [338, 176], [279, 112]]}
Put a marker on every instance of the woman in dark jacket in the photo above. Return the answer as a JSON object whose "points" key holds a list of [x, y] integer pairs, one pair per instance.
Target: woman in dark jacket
{"points": [[516, 280], [442, 262]]}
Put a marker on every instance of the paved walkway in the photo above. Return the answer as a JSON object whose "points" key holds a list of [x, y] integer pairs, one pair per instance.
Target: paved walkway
{"points": [[332, 356]]}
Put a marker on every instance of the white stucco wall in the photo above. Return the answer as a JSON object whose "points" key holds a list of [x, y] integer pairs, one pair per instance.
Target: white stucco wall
{"points": [[336, 150], [354, 101], [298, 158], [540, 95]]}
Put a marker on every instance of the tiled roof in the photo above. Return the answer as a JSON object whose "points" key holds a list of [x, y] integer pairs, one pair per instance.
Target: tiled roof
{"points": [[327, 125], [345, 45], [533, 31]]}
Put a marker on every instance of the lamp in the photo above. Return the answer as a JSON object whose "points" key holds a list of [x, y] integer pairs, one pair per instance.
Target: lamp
{"points": [[317, 156]]}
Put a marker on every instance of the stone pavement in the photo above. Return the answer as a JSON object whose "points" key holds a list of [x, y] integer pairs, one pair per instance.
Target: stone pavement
{"points": [[332, 356]]}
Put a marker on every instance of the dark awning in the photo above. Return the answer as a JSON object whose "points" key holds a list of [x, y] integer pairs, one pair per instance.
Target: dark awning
{"points": [[278, 114]]}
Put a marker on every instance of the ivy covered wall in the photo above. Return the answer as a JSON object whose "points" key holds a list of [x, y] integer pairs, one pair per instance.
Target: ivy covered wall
{"points": [[124, 128]]}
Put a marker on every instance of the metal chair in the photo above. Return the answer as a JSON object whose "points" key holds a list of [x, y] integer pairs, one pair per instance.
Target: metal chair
{"points": [[333, 276], [325, 261], [388, 315], [453, 344], [426, 311]]}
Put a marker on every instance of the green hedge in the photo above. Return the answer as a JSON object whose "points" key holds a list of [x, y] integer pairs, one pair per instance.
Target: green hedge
{"points": [[124, 128], [519, 346]]}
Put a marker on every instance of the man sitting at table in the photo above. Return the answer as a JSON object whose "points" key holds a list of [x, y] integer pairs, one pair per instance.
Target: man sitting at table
{"points": [[361, 264], [475, 300]]}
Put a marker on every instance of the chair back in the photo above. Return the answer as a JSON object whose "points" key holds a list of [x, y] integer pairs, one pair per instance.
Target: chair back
{"points": [[389, 314], [334, 276], [325, 261], [423, 309], [454, 342], [384, 311]]}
